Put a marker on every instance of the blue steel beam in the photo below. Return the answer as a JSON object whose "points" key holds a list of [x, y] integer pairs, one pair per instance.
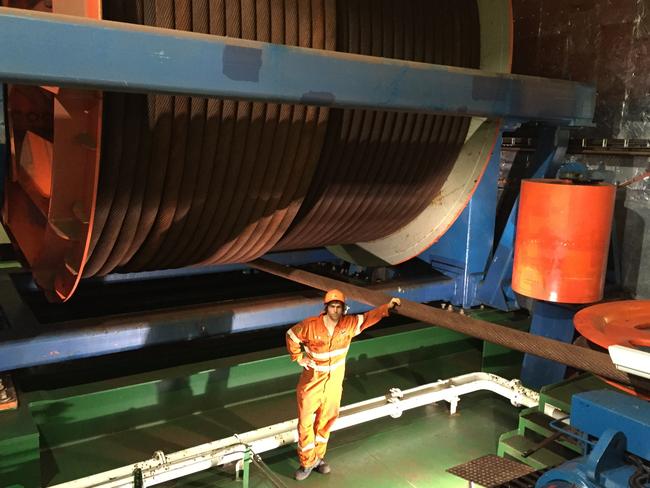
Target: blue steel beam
{"points": [[52, 343], [289, 258], [50, 49], [496, 290], [464, 250]]}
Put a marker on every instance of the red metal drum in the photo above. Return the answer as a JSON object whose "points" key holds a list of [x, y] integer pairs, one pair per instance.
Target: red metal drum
{"points": [[625, 323], [563, 231]]}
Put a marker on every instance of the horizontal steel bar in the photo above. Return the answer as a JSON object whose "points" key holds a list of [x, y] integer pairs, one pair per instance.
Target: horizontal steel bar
{"points": [[106, 335], [569, 354], [50, 49]]}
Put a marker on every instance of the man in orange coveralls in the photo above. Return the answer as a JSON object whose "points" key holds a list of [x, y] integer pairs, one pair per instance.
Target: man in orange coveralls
{"points": [[319, 345]]}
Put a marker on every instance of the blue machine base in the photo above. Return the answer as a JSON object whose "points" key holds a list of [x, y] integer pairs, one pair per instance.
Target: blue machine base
{"points": [[622, 425]]}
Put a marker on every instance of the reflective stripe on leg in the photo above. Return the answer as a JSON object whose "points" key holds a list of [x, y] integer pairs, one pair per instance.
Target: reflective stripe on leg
{"points": [[308, 447]]}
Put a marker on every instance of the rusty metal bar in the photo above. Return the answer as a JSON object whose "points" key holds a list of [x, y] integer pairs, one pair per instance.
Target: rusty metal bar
{"points": [[577, 357]]}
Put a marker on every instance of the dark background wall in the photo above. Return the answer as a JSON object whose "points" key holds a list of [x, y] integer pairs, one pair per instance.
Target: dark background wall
{"points": [[605, 42]]}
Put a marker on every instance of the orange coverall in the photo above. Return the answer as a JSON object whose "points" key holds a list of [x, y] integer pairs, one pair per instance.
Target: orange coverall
{"points": [[321, 385]]}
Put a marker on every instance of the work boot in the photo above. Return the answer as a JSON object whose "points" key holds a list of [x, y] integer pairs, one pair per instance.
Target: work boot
{"points": [[302, 473], [323, 468]]}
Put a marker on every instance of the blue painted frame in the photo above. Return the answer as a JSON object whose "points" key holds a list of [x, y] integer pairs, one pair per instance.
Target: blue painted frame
{"points": [[594, 412], [465, 251], [125, 57], [621, 423], [462, 253], [495, 290], [36, 344]]}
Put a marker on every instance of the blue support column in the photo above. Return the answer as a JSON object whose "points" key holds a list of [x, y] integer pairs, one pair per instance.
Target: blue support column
{"points": [[496, 289], [554, 321], [463, 251]]}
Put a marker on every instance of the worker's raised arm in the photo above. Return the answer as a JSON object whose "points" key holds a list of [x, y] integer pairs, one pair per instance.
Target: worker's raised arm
{"points": [[295, 338], [373, 316]]}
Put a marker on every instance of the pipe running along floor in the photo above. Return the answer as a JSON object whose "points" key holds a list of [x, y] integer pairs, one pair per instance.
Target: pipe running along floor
{"points": [[412, 451]]}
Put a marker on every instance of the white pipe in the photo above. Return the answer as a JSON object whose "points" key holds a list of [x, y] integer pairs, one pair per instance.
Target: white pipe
{"points": [[163, 467]]}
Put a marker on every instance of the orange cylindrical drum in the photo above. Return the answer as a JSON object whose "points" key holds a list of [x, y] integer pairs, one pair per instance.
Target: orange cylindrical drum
{"points": [[563, 231]]}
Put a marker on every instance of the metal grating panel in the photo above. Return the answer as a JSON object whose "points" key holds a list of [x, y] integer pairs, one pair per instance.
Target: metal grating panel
{"points": [[490, 471]]}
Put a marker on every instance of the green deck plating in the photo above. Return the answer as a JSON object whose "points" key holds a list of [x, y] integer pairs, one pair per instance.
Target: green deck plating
{"points": [[60, 434]]}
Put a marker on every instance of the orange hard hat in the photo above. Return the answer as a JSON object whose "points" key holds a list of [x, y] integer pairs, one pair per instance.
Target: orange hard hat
{"points": [[334, 295]]}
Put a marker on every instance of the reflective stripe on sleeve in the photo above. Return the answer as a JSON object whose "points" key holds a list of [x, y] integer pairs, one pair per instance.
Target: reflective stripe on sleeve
{"points": [[293, 336], [360, 319]]}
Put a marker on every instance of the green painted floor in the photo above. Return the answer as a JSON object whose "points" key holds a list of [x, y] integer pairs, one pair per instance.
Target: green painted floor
{"points": [[412, 451]]}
